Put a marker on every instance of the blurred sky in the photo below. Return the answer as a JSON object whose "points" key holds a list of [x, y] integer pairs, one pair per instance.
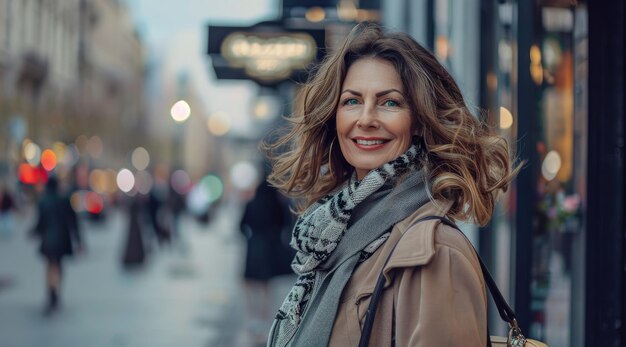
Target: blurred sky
{"points": [[175, 34], [162, 20]]}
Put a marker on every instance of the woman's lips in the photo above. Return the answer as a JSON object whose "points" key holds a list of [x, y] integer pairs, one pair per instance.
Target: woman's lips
{"points": [[370, 144]]}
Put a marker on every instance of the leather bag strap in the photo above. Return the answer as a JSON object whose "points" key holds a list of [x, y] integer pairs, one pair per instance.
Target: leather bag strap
{"points": [[505, 311]]}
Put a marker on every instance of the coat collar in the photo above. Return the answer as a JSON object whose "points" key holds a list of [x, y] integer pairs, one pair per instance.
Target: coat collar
{"points": [[416, 248]]}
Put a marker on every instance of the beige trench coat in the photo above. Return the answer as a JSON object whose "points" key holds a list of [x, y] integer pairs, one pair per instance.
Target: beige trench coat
{"points": [[434, 295]]}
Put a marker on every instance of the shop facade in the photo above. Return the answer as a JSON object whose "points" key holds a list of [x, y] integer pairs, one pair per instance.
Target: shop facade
{"points": [[548, 76]]}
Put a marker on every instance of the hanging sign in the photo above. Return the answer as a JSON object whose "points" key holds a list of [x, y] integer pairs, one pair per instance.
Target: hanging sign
{"points": [[267, 52], [269, 56]]}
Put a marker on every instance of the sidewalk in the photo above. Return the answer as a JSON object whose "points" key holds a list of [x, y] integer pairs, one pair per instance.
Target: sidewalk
{"points": [[188, 295]]}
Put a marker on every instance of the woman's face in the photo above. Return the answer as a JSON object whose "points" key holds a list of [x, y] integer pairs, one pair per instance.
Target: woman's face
{"points": [[373, 115]]}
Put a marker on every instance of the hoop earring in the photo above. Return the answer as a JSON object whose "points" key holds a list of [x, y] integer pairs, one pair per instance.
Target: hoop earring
{"points": [[330, 160]]}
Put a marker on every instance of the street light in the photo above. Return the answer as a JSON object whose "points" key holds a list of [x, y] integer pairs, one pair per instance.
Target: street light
{"points": [[180, 111]]}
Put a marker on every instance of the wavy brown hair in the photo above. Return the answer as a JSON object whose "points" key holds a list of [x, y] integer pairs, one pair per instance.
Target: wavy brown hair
{"points": [[466, 164]]}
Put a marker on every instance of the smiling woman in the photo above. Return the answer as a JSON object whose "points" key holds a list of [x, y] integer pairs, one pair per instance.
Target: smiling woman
{"points": [[373, 120], [382, 144]]}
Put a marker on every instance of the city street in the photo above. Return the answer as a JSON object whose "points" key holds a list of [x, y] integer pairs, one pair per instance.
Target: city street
{"points": [[189, 294]]}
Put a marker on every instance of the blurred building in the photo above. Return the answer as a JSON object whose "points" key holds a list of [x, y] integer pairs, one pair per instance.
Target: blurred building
{"points": [[550, 76], [69, 68], [112, 73]]}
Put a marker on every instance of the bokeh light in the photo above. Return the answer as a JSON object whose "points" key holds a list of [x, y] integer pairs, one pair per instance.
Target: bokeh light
{"points": [[213, 187], [125, 180], [95, 146], [180, 111], [48, 160], [265, 107], [535, 55], [536, 69], [98, 181], [59, 149], [140, 158], [32, 153], [506, 118], [77, 202], [347, 10], [87, 201], [206, 192], [93, 202], [28, 174], [551, 165], [219, 123], [180, 181], [111, 177], [492, 80], [442, 47], [243, 175], [197, 201], [261, 109], [315, 14]]}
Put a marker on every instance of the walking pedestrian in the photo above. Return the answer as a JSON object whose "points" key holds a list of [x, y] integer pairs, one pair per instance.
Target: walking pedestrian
{"points": [[262, 223], [7, 207], [58, 231], [381, 138], [134, 253]]}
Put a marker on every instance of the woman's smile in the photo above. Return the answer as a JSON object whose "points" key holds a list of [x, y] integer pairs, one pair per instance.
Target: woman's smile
{"points": [[370, 143]]}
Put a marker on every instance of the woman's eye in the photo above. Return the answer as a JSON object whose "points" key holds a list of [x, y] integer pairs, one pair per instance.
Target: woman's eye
{"points": [[391, 103], [351, 102]]}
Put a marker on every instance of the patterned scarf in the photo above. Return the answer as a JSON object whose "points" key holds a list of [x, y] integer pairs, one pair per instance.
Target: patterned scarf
{"points": [[321, 227]]}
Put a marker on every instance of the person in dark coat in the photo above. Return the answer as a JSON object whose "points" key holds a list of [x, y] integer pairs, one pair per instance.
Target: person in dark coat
{"points": [[155, 210], [59, 234], [7, 206], [262, 223], [134, 250]]}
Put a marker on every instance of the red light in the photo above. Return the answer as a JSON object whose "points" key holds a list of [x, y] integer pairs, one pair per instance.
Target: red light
{"points": [[26, 174], [31, 175], [48, 160], [94, 203]]}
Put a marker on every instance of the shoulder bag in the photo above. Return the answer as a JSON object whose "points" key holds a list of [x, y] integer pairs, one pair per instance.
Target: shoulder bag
{"points": [[515, 337]]}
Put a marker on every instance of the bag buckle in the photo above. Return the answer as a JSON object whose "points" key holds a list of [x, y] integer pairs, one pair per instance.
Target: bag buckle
{"points": [[516, 339]]}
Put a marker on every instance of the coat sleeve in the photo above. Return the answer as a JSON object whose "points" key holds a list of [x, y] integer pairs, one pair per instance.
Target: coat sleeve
{"points": [[442, 303]]}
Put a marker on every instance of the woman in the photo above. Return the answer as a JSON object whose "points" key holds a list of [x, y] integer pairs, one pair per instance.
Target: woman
{"points": [[262, 223], [380, 138], [57, 228]]}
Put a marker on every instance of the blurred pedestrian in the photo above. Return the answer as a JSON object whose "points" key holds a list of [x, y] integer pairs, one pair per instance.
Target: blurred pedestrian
{"points": [[380, 139], [262, 223], [156, 202], [176, 206], [7, 207], [134, 252], [58, 230]]}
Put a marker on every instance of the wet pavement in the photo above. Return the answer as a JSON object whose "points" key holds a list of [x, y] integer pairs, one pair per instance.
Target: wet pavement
{"points": [[189, 294]]}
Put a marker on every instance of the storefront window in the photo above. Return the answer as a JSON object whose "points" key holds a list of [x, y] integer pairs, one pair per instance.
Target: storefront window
{"points": [[558, 67], [505, 118]]}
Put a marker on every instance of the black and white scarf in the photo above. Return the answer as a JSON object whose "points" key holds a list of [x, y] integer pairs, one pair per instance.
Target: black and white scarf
{"points": [[322, 226]]}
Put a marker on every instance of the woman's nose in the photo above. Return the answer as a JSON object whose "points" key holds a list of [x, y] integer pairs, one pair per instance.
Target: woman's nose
{"points": [[368, 118]]}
